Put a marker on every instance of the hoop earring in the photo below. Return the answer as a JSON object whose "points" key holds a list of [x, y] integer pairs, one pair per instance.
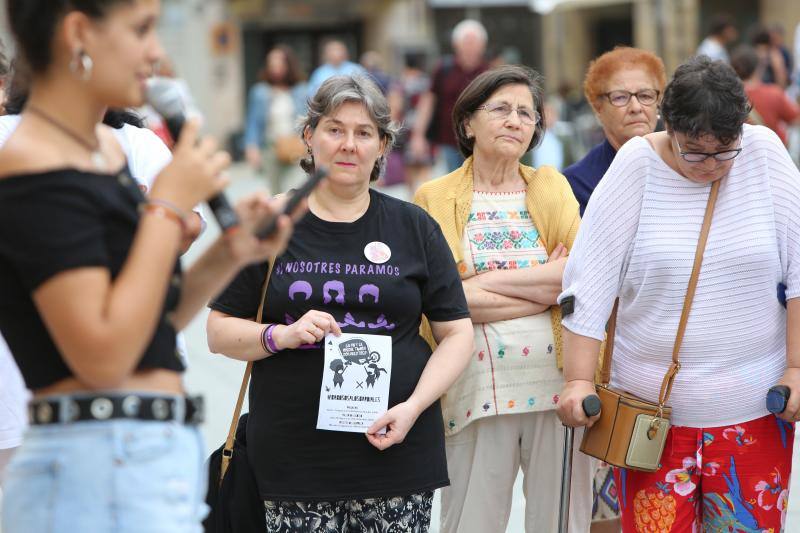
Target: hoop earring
{"points": [[81, 65]]}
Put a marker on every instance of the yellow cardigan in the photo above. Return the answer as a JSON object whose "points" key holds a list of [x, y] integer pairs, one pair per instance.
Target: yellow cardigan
{"points": [[550, 202]]}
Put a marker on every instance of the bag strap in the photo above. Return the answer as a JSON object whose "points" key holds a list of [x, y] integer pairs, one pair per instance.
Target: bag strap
{"points": [[611, 329], [669, 378], [227, 450]]}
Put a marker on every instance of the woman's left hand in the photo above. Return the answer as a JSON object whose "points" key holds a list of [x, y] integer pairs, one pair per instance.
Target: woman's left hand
{"points": [[254, 210], [397, 421], [791, 378]]}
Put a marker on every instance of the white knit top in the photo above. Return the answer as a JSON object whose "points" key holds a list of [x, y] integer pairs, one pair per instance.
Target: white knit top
{"points": [[637, 241]]}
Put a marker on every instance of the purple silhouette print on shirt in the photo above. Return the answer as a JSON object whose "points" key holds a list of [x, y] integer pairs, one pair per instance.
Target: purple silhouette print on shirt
{"points": [[333, 285], [300, 286], [370, 289], [334, 291], [381, 323]]}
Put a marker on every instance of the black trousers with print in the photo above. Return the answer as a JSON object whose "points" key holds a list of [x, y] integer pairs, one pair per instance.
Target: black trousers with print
{"points": [[397, 514]]}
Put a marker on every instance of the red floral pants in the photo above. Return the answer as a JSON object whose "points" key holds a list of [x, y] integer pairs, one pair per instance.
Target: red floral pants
{"points": [[727, 479]]}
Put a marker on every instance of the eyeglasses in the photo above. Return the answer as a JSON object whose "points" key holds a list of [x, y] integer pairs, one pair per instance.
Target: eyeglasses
{"points": [[621, 98], [699, 157], [499, 111]]}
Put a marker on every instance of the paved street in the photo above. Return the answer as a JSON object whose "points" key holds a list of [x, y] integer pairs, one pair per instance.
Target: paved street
{"points": [[218, 378]]}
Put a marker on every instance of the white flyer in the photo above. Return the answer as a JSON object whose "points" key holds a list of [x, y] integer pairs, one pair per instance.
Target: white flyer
{"points": [[355, 381]]}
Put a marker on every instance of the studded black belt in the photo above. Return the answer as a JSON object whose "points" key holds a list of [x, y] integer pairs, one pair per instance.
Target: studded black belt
{"points": [[76, 408]]}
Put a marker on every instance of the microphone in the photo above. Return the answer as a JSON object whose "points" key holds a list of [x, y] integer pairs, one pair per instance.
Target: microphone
{"points": [[169, 99]]}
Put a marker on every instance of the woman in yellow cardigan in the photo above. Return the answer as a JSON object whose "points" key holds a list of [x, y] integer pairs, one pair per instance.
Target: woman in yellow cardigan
{"points": [[510, 228]]}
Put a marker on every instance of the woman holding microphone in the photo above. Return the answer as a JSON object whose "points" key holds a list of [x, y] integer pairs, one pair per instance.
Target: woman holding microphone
{"points": [[92, 291]]}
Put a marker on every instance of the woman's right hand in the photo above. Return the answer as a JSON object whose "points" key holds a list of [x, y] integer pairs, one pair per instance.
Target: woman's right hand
{"points": [[311, 328], [195, 172], [570, 403]]}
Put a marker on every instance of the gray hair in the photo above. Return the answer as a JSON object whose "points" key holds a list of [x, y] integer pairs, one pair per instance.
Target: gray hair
{"points": [[469, 26], [340, 90]]}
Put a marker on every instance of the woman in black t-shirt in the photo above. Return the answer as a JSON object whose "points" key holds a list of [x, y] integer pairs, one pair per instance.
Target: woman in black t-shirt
{"points": [[90, 285], [359, 262]]}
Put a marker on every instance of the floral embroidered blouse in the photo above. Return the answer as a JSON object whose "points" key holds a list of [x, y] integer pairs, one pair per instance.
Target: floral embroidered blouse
{"points": [[513, 369]]}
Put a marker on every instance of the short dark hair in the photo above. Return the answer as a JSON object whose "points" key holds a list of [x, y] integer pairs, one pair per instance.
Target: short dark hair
{"points": [[705, 97], [760, 35], [34, 22], [720, 23], [484, 86], [744, 61]]}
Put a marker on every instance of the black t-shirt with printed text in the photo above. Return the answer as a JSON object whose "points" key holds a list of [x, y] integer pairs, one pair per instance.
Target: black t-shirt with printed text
{"points": [[325, 268]]}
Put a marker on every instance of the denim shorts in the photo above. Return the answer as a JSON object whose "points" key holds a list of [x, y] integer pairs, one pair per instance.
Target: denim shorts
{"points": [[120, 476]]}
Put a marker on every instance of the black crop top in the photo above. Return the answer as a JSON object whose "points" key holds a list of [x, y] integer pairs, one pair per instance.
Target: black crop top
{"points": [[56, 221]]}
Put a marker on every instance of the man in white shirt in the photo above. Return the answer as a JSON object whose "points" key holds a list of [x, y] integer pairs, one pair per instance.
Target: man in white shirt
{"points": [[722, 32]]}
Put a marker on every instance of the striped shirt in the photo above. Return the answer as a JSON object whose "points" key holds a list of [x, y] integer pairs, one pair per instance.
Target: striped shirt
{"points": [[637, 241]]}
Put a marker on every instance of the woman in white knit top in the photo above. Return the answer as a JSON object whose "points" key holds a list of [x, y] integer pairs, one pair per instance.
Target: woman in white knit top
{"points": [[726, 462]]}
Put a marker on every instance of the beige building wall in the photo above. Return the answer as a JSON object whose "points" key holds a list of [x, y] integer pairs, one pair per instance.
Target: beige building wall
{"points": [[187, 31], [668, 28], [566, 48], [395, 25]]}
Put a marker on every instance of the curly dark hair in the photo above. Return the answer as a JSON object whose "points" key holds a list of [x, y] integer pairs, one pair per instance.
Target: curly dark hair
{"points": [[705, 97], [484, 86]]}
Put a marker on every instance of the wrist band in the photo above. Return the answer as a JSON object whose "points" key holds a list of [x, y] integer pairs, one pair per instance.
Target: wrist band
{"points": [[263, 338], [166, 211], [169, 205], [270, 341]]}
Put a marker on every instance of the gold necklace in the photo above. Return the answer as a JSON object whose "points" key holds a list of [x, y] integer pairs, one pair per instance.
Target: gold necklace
{"points": [[98, 159]]}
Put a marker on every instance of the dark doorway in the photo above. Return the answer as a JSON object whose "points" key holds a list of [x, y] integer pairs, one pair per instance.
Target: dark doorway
{"points": [[611, 31]]}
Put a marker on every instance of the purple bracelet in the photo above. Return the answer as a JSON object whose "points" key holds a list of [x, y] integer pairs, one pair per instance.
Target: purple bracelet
{"points": [[263, 338], [270, 341]]}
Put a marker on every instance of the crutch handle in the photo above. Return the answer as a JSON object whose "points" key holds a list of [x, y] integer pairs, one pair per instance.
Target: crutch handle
{"points": [[777, 398], [591, 405]]}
